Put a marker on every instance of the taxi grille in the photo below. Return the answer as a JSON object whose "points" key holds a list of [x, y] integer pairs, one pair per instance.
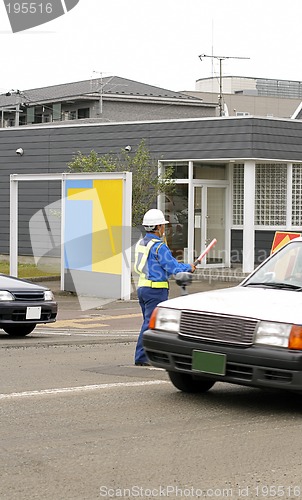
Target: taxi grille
{"points": [[217, 328]]}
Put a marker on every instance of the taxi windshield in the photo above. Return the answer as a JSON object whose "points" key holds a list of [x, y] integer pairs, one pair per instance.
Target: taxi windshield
{"points": [[282, 270]]}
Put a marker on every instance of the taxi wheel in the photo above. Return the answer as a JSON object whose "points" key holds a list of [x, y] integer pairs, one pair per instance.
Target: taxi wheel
{"points": [[186, 383], [19, 330]]}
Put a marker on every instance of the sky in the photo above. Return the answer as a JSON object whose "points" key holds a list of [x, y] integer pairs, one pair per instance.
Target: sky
{"points": [[155, 42]]}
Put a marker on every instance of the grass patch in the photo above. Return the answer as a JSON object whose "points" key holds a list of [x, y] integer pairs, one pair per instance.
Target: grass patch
{"points": [[28, 270]]}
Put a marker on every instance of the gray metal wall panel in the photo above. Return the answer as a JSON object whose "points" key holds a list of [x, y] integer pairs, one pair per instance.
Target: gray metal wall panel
{"points": [[277, 139]]}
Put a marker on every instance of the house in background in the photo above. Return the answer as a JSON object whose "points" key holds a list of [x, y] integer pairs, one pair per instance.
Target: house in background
{"points": [[111, 99], [116, 99]]}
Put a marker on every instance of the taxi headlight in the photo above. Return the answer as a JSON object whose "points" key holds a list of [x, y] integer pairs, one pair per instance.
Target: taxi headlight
{"points": [[167, 319], [275, 334]]}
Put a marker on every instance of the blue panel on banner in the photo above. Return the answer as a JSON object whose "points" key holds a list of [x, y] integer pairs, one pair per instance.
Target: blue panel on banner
{"points": [[78, 234], [78, 184]]}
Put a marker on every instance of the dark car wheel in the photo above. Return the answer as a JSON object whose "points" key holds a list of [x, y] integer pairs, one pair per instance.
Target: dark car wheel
{"points": [[186, 383], [19, 330]]}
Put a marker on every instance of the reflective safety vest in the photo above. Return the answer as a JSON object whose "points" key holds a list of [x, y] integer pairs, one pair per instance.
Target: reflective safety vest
{"points": [[140, 264]]}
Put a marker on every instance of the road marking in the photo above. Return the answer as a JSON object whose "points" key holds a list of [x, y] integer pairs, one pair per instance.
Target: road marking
{"points": [[72, 323], [76, 333], [89, 322], [83, 388], [120, 316]]}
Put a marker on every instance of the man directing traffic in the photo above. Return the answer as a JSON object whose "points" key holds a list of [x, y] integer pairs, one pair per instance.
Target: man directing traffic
{"points": [[154, 263]]}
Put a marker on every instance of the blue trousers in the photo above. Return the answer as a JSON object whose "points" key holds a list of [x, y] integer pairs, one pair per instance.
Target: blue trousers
{"points": [[148, 298]]}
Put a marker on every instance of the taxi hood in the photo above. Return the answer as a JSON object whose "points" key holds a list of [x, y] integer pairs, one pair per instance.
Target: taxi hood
{"points": [[251, 302]]}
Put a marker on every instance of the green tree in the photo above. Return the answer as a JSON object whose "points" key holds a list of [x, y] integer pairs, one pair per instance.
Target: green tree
{"points": [[146, 184]]}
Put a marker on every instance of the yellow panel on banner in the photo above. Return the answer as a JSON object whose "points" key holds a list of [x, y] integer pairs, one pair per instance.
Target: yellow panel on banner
{"points": [[106, 197]]}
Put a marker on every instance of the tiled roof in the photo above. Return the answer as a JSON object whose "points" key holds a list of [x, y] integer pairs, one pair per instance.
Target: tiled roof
{"points": [[113, 85]]}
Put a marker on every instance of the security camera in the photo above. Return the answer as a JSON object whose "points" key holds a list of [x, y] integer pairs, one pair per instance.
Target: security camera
{"points": [[20, 151], [128, 148]]}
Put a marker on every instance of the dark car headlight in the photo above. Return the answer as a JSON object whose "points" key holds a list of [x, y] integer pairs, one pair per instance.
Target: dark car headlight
{"points": [[5, 296], [48, 295]]}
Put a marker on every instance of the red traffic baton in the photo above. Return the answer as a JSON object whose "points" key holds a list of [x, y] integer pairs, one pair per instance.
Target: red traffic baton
{"points": [[204, 253]]}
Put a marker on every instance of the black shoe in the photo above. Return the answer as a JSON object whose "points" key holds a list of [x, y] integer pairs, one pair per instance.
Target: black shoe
{"points": [[140, 363]]}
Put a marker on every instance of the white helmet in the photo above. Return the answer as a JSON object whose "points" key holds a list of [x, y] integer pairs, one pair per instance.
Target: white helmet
{"points": [[154, 217]]}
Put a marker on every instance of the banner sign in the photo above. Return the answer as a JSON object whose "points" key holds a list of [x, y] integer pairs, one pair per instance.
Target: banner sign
{"points": [[281, 238]]}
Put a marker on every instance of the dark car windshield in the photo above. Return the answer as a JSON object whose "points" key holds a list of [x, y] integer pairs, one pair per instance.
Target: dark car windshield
{"points": [[282, 270]]}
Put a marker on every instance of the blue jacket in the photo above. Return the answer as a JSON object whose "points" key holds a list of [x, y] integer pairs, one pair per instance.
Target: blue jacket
{"points": [[160, 263]]}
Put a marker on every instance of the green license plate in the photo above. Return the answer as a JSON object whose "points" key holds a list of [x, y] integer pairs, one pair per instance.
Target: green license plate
{"points": [[209, 362]]}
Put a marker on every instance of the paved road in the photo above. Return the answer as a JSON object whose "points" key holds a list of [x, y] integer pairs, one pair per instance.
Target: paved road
{"points": [[101, 316], [80, 422]]}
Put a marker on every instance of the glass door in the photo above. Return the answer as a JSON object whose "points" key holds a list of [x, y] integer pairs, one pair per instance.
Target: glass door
{"points": [[210, 223], [198, 226], [215, 224]]}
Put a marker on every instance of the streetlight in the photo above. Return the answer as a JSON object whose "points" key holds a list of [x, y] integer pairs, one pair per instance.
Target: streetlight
{"points": [[220, 59]]}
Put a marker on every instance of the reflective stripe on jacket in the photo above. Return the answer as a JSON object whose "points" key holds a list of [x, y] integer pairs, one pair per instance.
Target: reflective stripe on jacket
{"points": [[142, 252]]}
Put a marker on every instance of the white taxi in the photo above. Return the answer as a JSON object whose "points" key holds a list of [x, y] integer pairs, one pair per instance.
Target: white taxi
{"points": [[250, 334]]}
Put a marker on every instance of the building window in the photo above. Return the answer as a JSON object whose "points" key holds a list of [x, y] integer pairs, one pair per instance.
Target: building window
{"points": [[297, 195], [56, 111], [72, 115], [30, 114], [270, 195], [22, 120], [38, 116], [209, 171], [238, 194], [180, 170], [83, 113]]}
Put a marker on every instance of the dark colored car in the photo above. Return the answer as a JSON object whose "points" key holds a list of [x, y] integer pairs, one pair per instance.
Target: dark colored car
{"points": [[250, 334], [23, 305]]}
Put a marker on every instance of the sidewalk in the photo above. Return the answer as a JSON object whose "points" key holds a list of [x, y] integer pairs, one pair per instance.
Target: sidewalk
{"points": [[197, 285], [70, 307]]}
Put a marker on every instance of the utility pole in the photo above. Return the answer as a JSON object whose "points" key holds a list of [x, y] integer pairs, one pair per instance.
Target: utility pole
{"points": [[17, 109], [220, 59], [100, 90]]}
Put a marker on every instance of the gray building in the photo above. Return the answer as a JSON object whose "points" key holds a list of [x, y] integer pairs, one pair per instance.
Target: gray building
{"points": [[237, 179], [244, 96]]}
